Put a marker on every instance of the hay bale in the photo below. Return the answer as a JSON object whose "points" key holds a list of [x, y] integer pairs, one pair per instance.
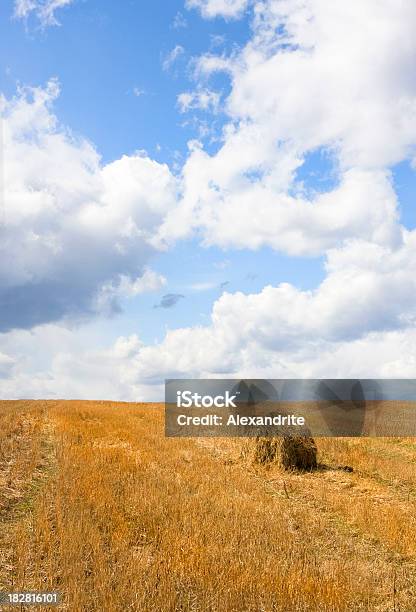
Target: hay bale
{"points": [[289, 452]]}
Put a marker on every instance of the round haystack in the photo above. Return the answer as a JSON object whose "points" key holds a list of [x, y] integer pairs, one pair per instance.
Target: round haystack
{"points": [[290, 452]]}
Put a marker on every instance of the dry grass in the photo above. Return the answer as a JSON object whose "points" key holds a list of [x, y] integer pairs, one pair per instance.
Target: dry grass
{"points": [[98, 504], [288, 452]]}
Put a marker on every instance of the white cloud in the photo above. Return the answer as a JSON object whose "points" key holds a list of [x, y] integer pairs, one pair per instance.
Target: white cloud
{"points": [[368, 290], [219, 8], [172, 56], [43, 10], [203, 99], [149, 281], [247, 212], [360, 322], [126, 287], [313, 77], [6, 366], [56, 362], [179, 21], [337, 82], [73, 226], [138, 92]]}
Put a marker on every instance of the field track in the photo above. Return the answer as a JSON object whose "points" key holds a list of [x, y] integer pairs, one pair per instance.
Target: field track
{"points": [[96, 503]]}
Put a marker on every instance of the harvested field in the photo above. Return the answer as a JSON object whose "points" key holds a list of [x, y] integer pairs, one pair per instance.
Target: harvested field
{"points": [[96, 503]]}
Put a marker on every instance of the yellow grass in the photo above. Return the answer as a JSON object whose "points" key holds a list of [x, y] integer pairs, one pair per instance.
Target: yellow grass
{"points": [[96, 503]]}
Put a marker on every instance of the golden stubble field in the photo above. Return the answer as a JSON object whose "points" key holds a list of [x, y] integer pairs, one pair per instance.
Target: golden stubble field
{"points": [[96, 503]]}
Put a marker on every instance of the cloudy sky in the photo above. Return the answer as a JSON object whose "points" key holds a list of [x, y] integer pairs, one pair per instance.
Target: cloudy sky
{"points": [[205, 188]]}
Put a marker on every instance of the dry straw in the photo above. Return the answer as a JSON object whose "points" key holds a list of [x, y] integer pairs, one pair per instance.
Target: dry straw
{"points": [[289, 452]]}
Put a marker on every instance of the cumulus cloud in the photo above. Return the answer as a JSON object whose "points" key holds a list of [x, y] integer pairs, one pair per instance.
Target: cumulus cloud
{"points": [[108, 298], [249, 213], [359, 322], [70, 367], [219, 8], [74, 228], [327, 79], [43, 10], [58, 362], [368, 290], [204, 99], [313, 77]]}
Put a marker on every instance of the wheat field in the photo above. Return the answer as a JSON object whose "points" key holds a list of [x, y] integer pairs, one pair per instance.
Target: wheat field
{"points": [[97, 504]]}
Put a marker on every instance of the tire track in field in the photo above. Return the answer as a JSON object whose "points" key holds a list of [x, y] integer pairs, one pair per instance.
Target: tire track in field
{"points": [[26, 461]]}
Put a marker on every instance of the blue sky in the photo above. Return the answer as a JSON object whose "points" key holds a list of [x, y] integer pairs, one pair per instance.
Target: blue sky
{"points": [[301, 186], [102, 53]]}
